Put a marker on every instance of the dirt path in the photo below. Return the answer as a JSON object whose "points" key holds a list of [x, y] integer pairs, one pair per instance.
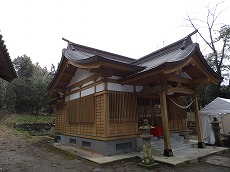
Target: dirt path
{"points": [[24, 154], [18, 153]]}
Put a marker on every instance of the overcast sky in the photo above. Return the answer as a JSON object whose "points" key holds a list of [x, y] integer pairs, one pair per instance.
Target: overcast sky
{"points": [[131, 28]]}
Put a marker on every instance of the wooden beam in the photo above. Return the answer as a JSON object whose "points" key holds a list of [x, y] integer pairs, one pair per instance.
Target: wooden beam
{"points": [[189, 81], [112, 80], [177, 67], [106, 114], [201, 81], [64, 64], [117, 66], [180, 80], [62, 90], [183, 90], [154, 90], [138, 80], [205, 70], [189, 68], [164, 114], [85, 66], [108, 71], [105, 85], [68, 73], [80, 83], [198, 124], [62, 82]]}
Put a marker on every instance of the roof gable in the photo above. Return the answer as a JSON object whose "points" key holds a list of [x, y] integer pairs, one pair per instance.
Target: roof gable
{"points": [[176, 63]]}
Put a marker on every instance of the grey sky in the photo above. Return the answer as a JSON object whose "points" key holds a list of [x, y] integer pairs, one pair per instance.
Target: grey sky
{"points": [[131, 28]]}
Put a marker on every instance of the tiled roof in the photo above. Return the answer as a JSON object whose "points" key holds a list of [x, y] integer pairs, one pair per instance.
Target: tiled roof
{"points": [[175, 55], [169, 55], [82, 57], [88, 51]]}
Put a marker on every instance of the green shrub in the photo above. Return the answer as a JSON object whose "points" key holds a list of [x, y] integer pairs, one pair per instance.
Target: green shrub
{"points": [[25, 118]]}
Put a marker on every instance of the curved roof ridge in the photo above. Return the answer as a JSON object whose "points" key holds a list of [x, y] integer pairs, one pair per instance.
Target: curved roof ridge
{"points": [[203, 60], [99, 52], [182, 43]]}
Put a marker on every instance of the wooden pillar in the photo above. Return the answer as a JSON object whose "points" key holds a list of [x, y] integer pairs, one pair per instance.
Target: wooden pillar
{"points": [[164, 113], [198, 124], [106, 113]]}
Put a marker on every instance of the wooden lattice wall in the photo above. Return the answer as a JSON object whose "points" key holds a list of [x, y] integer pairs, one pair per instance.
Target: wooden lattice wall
{"points": [[100, 115], [122, 114], [149, 109], [114, 114]]}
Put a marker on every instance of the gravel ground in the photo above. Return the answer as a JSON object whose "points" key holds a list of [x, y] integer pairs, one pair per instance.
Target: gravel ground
{"points": [[18, 153]]}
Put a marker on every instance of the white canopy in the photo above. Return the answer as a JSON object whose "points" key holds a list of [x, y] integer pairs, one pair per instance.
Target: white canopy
{"points": [[219, 108]]}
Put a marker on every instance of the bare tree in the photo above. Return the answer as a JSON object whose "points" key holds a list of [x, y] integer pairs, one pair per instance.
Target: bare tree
{"points": [[217, 40]]}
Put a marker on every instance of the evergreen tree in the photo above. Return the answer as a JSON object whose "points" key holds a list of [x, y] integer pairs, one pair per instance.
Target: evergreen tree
{"points": [[28, 93]]}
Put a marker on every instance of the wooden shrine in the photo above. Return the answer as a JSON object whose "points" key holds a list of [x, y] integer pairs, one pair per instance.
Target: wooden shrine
{"points": [[101, 98]]}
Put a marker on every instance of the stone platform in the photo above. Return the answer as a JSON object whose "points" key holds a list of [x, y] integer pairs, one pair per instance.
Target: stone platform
{"points": [[181, 156]]}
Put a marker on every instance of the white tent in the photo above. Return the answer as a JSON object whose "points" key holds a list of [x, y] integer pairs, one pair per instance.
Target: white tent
{"points": [[219, 108]]}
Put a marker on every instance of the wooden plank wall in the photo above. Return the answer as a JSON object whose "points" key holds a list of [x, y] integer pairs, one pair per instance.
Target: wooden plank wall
{"points": [[177, 115], [81, 109], [120, 124], [122, 128], [95, 123]]}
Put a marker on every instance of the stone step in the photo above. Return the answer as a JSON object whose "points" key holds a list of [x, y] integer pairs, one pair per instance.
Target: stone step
{"points": [[175, 144], [172, 139], [160, 150]]}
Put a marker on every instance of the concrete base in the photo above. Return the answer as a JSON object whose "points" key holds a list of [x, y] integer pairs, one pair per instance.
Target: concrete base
{"points": [[180, 158], [149, 166], [219, 143], [168, 152], [106, 148], [201, 145]]}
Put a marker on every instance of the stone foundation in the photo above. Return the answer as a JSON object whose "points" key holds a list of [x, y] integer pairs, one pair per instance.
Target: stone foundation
{"points": [[107, 148]]}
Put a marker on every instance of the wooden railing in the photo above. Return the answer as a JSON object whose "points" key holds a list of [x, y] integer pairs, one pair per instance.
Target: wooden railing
{"points": [[122, 106]]}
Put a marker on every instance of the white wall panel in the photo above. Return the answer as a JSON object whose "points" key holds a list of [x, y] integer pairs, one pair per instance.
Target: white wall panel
{"points": [[80, 74], [139, 88], [87, 92], [114, 77], [74, 96], [88, 83], [119, 87], [100, 87]]}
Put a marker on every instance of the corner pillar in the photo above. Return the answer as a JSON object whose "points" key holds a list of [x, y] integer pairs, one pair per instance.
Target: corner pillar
{"points": [[164, 113], [198, 124]]}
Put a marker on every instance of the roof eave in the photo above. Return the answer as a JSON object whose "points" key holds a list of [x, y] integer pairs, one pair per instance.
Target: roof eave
{"points": [[217, 77], [6, 56], [99, 59], [49, 87], [99, 52]]}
